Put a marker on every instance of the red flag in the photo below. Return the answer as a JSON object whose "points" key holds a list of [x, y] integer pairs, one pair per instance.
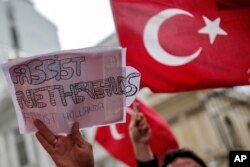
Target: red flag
{"points": [[180, 45], [115, 138]]}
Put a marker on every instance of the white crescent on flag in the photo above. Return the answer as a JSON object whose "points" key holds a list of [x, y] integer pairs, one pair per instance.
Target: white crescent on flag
{"points": [[114, 133], [151, 40], [113, 130]]}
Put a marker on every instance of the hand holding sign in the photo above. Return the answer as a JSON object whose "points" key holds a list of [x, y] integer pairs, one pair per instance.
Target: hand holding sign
{"points": [[91, 86], [70, 150]]}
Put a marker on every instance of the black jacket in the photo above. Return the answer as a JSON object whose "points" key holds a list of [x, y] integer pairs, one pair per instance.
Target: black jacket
{"points": [[152, 163]]}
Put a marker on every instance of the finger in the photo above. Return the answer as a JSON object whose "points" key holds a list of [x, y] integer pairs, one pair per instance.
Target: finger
{"points": [[139, 115], [134, 115], [75, 129], [44, 131], [44, 143], [135, 112], [76, 133], [136, 107]]}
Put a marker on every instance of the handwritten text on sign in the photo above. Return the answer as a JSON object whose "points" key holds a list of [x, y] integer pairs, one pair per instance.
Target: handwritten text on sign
{"points": [[88, 85]]}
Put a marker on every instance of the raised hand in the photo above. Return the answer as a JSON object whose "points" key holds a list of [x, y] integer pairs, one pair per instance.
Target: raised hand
{"points": [[139, 129], [140, 134]]}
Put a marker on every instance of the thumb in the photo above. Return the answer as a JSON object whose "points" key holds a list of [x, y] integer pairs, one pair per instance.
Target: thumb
{"points": [[75, 130]]}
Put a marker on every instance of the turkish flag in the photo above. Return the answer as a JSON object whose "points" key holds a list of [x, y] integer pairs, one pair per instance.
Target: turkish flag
{"points": [[181, 45], [115, 138]]}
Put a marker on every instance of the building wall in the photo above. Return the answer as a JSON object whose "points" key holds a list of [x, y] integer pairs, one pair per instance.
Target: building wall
{"points": [[5, 40], [232, 117], [34, 34], [28, 21]]}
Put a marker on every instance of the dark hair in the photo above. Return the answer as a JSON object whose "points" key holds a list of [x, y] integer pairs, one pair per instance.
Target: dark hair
{"points": [[182, 153]]}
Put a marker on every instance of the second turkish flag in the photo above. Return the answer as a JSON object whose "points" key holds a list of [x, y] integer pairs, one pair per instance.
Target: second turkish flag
{"points": [[115, 138]]}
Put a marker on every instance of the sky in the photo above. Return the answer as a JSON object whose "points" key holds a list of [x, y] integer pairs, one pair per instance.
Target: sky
{"points": [[80, 23]]}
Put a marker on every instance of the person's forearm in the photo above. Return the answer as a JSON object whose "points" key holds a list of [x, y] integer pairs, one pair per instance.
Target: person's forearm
{"points": [[143, 152]]}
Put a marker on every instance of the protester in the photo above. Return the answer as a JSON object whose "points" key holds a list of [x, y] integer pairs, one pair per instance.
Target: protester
{"points": [[140, 135], [71, 150]]}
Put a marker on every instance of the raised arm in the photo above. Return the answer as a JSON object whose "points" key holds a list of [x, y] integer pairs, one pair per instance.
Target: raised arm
{"points": [[140, 134]]}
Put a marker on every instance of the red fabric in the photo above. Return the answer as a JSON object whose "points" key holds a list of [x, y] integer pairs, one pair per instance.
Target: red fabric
{"points": [[162, 138], [223, 63]]}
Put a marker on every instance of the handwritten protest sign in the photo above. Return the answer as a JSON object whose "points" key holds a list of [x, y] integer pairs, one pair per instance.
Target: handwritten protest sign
{"points": [[91, 86]]}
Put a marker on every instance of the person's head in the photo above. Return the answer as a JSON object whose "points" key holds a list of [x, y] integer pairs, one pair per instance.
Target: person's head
{"points": [[182, 158]]}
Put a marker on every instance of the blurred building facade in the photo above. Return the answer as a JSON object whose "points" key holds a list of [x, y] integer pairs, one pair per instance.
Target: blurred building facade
{"points": [[23, 32], [210, 122]]}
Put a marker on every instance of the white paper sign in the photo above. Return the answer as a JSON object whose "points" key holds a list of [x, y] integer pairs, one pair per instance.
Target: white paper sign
{"points": [[90, 86]]}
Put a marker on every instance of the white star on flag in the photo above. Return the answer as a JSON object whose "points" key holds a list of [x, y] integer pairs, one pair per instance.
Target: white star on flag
{"points": [[212, 28]]}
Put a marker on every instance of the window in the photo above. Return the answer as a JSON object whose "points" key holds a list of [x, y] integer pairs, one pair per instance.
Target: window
{"points": [[232, 134]]}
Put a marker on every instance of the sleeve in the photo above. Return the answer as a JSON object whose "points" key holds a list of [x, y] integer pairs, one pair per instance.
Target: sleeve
{"points": [[152, 163]]}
